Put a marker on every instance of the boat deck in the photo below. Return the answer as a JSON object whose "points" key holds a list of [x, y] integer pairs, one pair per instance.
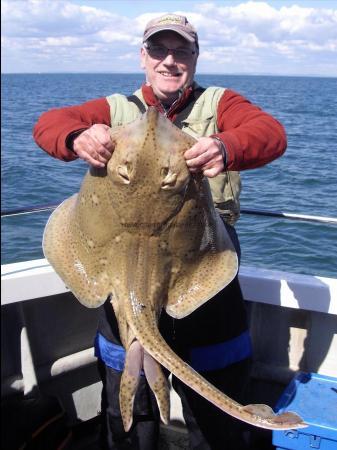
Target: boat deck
{"points": [[48, 335]]}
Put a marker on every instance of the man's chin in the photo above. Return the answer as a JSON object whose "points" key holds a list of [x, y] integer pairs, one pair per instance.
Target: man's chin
{"points": [[171, 93]]}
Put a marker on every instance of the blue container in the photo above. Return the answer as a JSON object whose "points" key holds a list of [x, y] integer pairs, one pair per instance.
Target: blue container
{"points": [[314, 398]]}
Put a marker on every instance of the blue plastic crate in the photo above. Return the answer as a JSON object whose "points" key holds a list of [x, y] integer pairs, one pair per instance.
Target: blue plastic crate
{"points": [[314, 398]]}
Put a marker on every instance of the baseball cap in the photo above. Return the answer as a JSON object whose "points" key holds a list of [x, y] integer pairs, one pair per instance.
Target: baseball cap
{"points": [[171, 22]]}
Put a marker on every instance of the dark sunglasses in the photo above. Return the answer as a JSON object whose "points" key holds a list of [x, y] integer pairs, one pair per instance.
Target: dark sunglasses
{"points": [[160, 52]]}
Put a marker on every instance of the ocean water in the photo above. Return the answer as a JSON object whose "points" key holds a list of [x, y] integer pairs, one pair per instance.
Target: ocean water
{"points": [[303, 181]]}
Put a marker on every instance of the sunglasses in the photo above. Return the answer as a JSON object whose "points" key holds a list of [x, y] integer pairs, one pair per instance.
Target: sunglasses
{"points": [[180, 54]]}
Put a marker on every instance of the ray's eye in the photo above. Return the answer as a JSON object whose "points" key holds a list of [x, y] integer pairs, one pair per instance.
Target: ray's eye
{"points": [[170, 178], [164, 171], [124, 173]]}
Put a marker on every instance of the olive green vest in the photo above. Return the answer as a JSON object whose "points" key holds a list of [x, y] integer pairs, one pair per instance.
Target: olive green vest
{"points": [[201, 121]]}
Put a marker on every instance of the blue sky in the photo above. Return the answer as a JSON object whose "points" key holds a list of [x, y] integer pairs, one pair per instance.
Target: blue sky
{"points": [[249, 37]]}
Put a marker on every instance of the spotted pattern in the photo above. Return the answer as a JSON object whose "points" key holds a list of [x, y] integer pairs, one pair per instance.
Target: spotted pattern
{"points": [[127, 394], [144, 233]]}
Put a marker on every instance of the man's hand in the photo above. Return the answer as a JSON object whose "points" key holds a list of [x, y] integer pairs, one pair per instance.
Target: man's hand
{"points": [[94, 145], [206, 156]]}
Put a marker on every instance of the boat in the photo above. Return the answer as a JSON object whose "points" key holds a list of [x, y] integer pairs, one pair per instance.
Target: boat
{"points": [[47, 343]]}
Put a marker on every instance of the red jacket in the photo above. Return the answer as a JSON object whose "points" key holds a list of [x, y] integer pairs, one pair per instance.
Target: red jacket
{"points": [[251, 136]]}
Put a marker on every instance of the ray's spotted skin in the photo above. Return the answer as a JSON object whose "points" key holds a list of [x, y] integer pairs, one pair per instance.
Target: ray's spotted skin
{"points": [[145, 232]]}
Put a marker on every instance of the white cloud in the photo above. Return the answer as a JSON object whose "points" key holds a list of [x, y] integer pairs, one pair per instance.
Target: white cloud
{"points": [[129, 56], [292, 34], [64, 41], [245, 37], [269, 24], [47, 17]]}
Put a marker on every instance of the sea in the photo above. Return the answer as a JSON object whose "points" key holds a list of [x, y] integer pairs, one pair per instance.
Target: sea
{"points": [[302, 181]]}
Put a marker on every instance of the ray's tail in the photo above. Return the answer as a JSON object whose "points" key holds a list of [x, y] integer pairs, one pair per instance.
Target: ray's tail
{"points": [[137, 359], [255, 414]]}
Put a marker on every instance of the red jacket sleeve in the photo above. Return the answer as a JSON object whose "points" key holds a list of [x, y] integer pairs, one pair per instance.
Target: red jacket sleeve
{"points": [[251, 136], [54, 126]]}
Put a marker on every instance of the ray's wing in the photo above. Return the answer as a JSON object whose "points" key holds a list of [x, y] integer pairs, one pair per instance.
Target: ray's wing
{"points": [[78, 242], [204, 260]]}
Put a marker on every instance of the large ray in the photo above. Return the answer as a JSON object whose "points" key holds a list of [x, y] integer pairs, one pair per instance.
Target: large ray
{"points": [[145, 233]]}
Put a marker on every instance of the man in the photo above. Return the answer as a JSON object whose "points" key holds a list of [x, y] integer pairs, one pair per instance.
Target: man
{"points": [[233, 135]]}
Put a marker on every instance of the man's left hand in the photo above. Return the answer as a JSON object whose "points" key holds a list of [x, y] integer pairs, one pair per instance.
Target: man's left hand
{"points": [[205, 156]]}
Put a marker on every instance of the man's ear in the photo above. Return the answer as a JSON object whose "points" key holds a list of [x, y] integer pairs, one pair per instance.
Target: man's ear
{"points": [[142, 58]]}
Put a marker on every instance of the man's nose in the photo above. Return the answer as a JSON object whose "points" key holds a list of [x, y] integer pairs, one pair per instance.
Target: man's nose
{"points": [[170, 59]]}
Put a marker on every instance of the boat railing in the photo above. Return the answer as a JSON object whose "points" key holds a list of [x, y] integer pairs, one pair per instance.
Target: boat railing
{"points": [[257, 212]]}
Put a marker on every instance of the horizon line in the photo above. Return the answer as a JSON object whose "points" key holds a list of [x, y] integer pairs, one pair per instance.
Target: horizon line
{"points": [[200, 73]]}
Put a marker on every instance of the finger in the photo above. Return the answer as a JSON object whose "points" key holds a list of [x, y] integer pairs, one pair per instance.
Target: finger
{"points": [[215, 160], [213, 168], [88, 154], [194, 151], [88, 145], [194, 170], [103, 150], [93, 162], [200, 160], [103, 136], [213, 171], [100, 158], [91, 151], [102, 133]]}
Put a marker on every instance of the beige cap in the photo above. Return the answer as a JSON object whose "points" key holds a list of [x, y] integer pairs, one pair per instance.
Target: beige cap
{"points": [[171, 22]]}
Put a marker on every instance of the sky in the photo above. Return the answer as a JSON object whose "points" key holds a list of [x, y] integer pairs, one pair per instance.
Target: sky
{"points": [[236, 37]]}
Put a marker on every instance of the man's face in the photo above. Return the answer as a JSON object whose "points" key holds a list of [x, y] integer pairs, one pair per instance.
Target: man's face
{"points": [[168, 74]]}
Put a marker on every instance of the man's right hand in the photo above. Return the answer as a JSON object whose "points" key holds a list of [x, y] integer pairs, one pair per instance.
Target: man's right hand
{"points": [[94, 145]]}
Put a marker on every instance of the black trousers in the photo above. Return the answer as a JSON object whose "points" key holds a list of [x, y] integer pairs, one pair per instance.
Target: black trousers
{"points": [[208, 427]]}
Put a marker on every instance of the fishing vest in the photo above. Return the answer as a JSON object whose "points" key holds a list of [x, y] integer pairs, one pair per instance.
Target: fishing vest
{"points": [[201, 121]]}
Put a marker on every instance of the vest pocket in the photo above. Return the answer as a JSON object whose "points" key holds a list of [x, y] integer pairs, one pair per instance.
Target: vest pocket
{"points": [[198, 128]]}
